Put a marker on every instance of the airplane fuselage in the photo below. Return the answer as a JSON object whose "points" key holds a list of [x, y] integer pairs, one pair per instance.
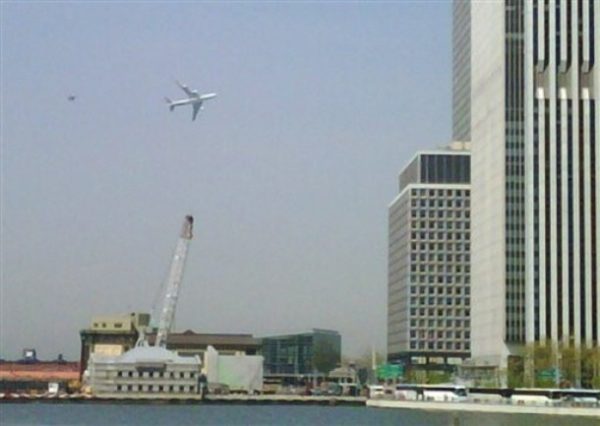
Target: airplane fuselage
{"points": [[194, 99]]}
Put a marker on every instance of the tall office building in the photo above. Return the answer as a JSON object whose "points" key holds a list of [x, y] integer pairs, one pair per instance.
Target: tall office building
{"points": [[535, 128], [461, 71], [429, 261]]}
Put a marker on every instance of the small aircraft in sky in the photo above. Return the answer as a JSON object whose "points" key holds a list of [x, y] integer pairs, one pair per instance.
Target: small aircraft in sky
{"points": [[194, 99], [71, 98]]}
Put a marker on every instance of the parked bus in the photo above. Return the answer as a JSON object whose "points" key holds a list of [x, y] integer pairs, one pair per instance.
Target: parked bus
{"points": [[532, 396], [414, 392]]}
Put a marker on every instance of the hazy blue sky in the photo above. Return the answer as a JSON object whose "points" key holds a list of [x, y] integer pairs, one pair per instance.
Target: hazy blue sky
{"points": [[288, 172]]}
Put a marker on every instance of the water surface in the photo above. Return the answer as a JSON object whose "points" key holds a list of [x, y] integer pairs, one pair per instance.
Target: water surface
{"points": [[37, 414]]}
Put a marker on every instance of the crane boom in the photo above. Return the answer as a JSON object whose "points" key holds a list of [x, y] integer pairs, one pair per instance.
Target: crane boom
{"points": [[174, 282]]}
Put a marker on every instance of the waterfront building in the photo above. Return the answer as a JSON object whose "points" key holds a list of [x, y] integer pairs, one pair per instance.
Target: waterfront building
{"points": [[535, 129], [429, 253], [143, 370], [115, 335], [28, 376], [304, 354], [111, 335]]}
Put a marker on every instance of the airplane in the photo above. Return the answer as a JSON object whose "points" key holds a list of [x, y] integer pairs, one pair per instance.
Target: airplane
{"points": [[71, 98], [193, 99]]}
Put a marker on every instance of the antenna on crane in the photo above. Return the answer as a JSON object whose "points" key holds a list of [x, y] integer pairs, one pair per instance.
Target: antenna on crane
{"points": [[167, 313]]}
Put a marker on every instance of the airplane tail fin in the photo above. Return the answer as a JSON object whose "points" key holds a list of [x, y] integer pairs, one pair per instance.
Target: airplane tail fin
{"points": [[171, 106]]}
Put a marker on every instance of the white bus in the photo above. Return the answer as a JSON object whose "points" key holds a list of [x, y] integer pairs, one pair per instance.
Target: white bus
{"points": [[377, 391], [533, 396], [442, 393]]}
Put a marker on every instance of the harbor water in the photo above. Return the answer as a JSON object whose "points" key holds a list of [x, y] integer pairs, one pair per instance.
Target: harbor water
{"points": [[36, 414]]}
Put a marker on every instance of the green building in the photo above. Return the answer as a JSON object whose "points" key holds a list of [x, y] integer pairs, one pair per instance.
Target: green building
{"points": [[315, 352]]}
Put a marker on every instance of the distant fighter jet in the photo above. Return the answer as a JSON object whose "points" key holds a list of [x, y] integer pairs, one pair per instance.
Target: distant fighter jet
{"points": [[193, 99], [71, 98]]}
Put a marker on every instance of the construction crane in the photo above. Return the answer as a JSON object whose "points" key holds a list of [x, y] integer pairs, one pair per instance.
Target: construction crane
{"points": [[167, 313]]}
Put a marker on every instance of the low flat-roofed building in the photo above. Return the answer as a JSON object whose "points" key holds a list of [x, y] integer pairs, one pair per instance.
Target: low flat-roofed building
{"points": [[106, 338], [22, 376], [190, 343], [132, 321], [144, 370]]}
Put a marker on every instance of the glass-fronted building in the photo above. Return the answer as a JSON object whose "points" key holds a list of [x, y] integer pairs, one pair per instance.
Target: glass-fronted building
{"points": [[318, 351]]}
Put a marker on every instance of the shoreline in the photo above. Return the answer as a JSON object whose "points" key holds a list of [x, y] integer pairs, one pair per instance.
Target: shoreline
{"points": [[485, 408], [241, 399]]}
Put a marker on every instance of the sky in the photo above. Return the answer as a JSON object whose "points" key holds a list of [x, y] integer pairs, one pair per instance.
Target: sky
{"points": [[288, 172]]}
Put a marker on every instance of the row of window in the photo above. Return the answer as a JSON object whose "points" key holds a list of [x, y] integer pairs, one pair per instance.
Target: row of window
{"points": [[104, 325], [428, 248], [440, 268], [449, 267], [439, 192], [440, 323], [158, 374], [440, 290], [448, 301], [441, 255], [440, 203], [440, 213], [440, 224], [155, 388], [449, 279], [422, 235], [423, 312], [440, 345], [449, 334]]}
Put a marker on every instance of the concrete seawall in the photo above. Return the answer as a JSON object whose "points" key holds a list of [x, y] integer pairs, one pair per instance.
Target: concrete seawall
{"points": [[485, 408], [188, 399]]}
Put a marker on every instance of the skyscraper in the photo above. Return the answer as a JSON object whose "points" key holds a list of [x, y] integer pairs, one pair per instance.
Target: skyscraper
{"points": [[535, 175], [429, 261], [461, 71]]}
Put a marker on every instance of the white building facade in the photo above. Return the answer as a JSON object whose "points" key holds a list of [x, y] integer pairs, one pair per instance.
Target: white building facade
{"points": [[429, 262], [535, 85]]}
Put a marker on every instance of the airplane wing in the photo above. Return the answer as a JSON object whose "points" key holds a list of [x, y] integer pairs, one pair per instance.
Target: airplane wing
{"points": [[190, 93], [197, 107]]}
